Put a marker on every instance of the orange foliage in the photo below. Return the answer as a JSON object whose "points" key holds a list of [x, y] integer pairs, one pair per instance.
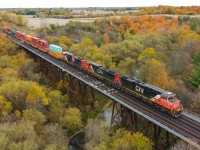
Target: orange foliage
{"points": [[186, 27], [106, 38], [136, 30], [187, 10], [121, 28], [107, 29], [150, 23]]}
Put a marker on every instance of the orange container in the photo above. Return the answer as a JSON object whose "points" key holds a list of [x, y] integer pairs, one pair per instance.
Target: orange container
{"points": [[28, 39]]}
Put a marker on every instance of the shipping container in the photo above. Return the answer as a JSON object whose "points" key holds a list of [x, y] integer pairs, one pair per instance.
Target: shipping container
{"points": [[7, 29], [43, 45], [55, 51], [22, 37], [28, 39], [34, 41], [18, 34], [13, 32]]}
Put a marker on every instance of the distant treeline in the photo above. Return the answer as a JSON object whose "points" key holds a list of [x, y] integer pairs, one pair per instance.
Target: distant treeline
{"points": [[186, 10], [103, 11], [64, 11]]}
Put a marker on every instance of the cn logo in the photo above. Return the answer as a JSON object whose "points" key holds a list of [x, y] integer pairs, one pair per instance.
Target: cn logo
{"points": [[139, 89]]}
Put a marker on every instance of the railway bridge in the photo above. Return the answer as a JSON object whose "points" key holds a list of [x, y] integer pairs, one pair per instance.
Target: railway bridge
{"points": [[127, 111]]}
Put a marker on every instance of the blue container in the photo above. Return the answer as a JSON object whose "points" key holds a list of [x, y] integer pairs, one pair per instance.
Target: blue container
{"points": [[55, 48]]}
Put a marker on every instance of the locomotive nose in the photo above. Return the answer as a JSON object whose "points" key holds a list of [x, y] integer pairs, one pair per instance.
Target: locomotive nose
{"points": [[178, 106]]}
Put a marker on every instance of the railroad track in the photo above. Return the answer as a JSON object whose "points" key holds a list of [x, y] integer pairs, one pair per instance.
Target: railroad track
{"points": [[184, 125]]}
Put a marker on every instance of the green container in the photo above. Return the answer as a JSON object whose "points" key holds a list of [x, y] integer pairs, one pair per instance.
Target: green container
{"points": [[13, 32], [55, 48]]}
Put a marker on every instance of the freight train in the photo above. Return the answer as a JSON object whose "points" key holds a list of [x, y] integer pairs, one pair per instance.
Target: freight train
{"points": [[161, 99]]}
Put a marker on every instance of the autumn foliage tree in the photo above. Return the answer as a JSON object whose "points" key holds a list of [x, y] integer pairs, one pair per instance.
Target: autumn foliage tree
{"points": [[186, 10], [121, 28], [72, 120], [106, 38], [155, 73], [5, 106]]}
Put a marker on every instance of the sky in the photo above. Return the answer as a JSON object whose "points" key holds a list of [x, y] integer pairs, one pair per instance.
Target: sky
{"points": [[93, 3]]}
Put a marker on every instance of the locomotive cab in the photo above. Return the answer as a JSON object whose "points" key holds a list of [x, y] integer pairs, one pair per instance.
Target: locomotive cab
{"points": [[172, 103]]}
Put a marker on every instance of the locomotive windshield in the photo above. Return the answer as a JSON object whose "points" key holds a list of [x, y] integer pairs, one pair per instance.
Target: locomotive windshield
{"points": [[172, 98]]}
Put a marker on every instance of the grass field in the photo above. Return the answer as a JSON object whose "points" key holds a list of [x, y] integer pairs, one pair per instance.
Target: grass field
{"points": [[44, 22]]}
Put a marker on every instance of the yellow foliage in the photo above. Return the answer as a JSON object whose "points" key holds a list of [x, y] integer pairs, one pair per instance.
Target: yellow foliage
{"points": [[155, 73], [98, 32], [147, 53], [60, 84], [18, 113], [123, 139], [72, 120], [5, 106], [36, 94]]}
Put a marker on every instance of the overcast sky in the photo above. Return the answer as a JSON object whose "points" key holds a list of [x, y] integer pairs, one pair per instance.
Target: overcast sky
{"points": [[94, 3]]}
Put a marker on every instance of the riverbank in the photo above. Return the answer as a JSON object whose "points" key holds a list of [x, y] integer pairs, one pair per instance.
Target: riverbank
{"points": [[77, 140]]}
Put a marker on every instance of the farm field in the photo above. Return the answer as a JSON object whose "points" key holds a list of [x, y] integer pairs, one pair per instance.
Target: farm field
{"points": [[44, 22]]}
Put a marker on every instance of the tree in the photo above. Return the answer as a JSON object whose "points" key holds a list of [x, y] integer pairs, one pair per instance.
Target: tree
{"points": [[106, 38], [55, 113], [27, 144], [195, 106], [21, 135], [127, 33], [23, 94], [4, 140], [140, 142], [179, 63], [5, 106], [148, 53], [155, 73], [55, 99], [98, 135], [65, 40], [127, 66], [72, 120], [55, 136], [36, 117], [108, 30], [15, 91], [123, 139], [85, 43], [194, 78], [101, 137], [28, 70], [36, 94], [121, 28]]}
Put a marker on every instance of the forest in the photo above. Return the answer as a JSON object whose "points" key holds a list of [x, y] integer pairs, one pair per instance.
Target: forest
{"points": [[160, 50]]}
